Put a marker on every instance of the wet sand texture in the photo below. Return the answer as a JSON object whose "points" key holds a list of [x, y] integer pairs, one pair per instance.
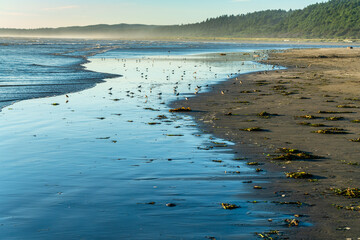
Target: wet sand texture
{"points": [[313, 107]]}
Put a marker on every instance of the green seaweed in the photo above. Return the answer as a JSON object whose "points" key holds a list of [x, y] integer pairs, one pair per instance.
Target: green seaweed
{"points": [[351, 207], [229, 206], [307, 117], [350, 163], [182, 109], [346, 106], [334, 118], [252, 129], [292, 222], [347, 192], [253, 163], [299, 175], [294, 154], [332, 112], [311, 124], [355, 140], [331, 131]]}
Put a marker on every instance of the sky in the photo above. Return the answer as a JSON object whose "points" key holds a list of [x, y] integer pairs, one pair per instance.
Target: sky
{"points": [[62, 13]]}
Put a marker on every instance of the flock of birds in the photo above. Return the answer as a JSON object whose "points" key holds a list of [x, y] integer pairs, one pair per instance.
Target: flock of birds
{"points": [[185, 79]]}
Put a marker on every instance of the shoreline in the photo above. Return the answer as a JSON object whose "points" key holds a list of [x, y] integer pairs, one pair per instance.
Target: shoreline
{"points": [[96, 134], [316, 80], [72, 83]]}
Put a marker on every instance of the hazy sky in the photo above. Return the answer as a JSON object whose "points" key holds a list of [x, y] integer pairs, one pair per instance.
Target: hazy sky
{"points": [[57, 13]]}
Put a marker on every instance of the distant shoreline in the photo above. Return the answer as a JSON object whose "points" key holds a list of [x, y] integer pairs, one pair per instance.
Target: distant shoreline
{"points": [[295, 41]]}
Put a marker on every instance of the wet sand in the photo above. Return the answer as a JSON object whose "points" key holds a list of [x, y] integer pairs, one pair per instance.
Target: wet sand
{"points": [[323, 83]]}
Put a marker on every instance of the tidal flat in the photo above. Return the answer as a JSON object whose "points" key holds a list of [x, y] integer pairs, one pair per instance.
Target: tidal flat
{"points": [[113, 162]]}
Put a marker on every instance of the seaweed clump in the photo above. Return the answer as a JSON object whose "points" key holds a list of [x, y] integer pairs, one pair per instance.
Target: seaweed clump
{"points": [[253, 163], [334, 118], [252, 129], [292, 222], [312, 124], [347, 192], [229, 206], [265, 115], [293, 154], [350, 207], [269, 235], [182, 109], [331, 131], [346, 106], [299, 175], [333, 112], [307, 117], [355, 140]]}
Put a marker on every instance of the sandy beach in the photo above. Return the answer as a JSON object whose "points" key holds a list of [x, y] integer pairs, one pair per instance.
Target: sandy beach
{"points": [[312, 110]]}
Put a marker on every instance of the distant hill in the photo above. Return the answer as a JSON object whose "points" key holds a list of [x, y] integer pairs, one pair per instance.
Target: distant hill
{"points": [[332, 19]]}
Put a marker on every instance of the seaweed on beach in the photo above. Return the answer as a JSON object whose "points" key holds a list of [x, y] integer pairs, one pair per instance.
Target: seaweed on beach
{"points": [[347, 192], [229, 206], [351, 207], [311, 124], [346, 106], [332, 112], [160, 117], [270, 235], [331, 131], [253, 163], [350, 163], [307, 117], [299, 175], [292, 222], [182, 109], [294, 154], [217, 161], [265, 115], [152, 109], [353, 99], [334, 118], [355, 140], [252, 129], [154, 123]]}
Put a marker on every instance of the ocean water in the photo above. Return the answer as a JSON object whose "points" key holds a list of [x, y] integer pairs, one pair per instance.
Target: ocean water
{"points": [[102, 163]]}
